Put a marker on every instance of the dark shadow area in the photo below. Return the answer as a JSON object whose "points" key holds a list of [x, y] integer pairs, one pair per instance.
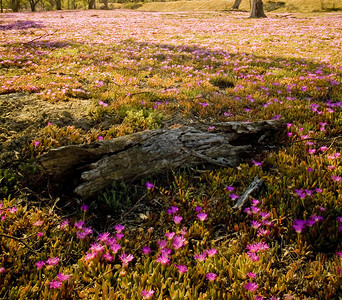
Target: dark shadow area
{"points": [[21, 25]]}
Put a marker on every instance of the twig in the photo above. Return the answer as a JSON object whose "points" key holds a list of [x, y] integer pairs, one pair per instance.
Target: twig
{"points": [[39, 37], [253, 187], [19, 240]]}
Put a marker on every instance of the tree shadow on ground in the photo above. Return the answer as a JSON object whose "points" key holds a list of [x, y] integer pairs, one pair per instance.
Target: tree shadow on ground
{"points": [[21, 25]]}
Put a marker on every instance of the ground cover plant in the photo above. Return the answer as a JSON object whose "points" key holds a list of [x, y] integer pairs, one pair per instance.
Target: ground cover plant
{"points": [[83, 76]]}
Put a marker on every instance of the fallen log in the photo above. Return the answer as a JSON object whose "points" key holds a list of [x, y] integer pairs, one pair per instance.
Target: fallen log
{"points": [[146, 153]]}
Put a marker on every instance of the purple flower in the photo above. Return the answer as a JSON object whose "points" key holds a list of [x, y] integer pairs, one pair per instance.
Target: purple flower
{"points": [[211, 252], [103, 237], [177, 219], [233, 196], [115, 247], [64, 224], [2, 270], [339, 254], [182, 268], [63, 277], [79, 224], [149, 185], [170, 235], [339, 219], [52, 261], [39, 264], [119, 228], [198, 209], [147, 294], [146, 250], [125, 259], [259, 164], [251, 275], [230, 188], [107, 256], [251, 286], [162, 244], [178, 242], [202, 256], [163, 258], [84, 207], [55, 284], [119, 236], [96, 248], [253, 256], [299, 225], [202, 216], [255, 224], [210, 276], [172, 210]]}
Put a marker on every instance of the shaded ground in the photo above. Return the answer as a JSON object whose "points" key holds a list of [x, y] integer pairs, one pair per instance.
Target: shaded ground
{"points": [[22, 115]]}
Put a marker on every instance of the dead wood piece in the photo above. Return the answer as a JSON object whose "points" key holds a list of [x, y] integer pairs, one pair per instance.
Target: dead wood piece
{"points": [[254, 187], [147, 153]]}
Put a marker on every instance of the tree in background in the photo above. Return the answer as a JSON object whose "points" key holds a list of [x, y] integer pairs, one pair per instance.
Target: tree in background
{"points": [[257, 8], [33, 4], [236, 4], [15, 5]]}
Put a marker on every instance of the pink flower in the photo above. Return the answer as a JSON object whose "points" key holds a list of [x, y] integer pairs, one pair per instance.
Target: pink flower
{"points": [[40, 234], [178, 242], [198, 209], [12, 210], [39, 264], [202, 256], [211, 252], [64, 224], [149, 185], [162, 244], [251, 286], [90, 255], [36, 143], [210, 276], [230, 188], [119, 236], [119, 228], [146, 250], [336, 178], [55, 284], [103, 237], [177, 219], [100, 138], [125, 259], [163, 259], [172, 210], [202, 216], [170, 235], [52, 261], [255, 224], [115, 247], [259, 164], [2, 270], [339, 254], [38, 223], [253, 256], [84, 207], [107, 256], [233, 196], [96, 248], [299, 225], [79, 224], [251, 275], [63, 277], [182, 268], [147, 294]]}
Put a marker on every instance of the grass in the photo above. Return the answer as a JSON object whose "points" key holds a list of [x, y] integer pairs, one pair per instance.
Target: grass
{"points": [[180, 237]]}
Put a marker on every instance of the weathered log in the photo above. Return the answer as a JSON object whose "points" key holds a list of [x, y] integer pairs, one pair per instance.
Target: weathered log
{"points": [[149, 152]]}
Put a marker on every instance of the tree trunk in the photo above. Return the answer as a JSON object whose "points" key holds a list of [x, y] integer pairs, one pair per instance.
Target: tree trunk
{"points": [[257, 10], [91, 4], [236, 4], [146, 153], [15, 5], [58, 4]]}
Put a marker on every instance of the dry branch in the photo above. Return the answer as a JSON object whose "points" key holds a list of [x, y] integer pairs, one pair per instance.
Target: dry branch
{"points": [[254, 187], [149, 152]]}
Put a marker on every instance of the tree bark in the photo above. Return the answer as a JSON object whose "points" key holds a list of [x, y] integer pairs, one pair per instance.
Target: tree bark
{"points": [[257, 10], [58, 4], [147, 153], [236, 4]]}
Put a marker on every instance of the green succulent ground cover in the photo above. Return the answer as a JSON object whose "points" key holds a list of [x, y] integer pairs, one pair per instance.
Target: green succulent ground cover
{"points": [[181, 238]]}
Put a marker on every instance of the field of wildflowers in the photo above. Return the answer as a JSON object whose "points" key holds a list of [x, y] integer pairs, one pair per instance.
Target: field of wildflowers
{"points": [[174, 236]]}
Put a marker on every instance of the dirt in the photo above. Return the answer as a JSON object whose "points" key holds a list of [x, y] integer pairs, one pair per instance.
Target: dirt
{"points": [[23, 115]]}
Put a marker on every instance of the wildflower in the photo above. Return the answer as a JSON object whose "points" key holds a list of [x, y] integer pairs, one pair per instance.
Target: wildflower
{"points": [[163, 259], [172, 210], [309, 170], [170, 235], [210, 276], [182, 268], [81, 235], [149, 185], [202, 256], [211, 128], [162, 244], [38, 223], [255, 202], [96, 248], [177, 219], [125, 259], [147, 294], [115, 247], [198, 209], [52, 261], [253, 256], [36, 143], [299, 225], [63, 277], [103, 103], [55, 284], [39, 264], [107, 256], [263, 232], [274, 298], [12, 210], [40, 234], [79, 224], [258, 297], [339, 219], [103, 237], [203, 104], [233, 196], [166, 251], [119, 236], [264, 215], [211, 252], [255, 209], [64, 224], [2, 270], [202, 216], [230, 188], [336, 178], [178, 242], [87, 230], [84, 207], [251, 275], [119, 228], [339, 254], [146, 250], [259, 164], [323, 148], [90, 255], [100, 138], [251, 286], [255, 224]]}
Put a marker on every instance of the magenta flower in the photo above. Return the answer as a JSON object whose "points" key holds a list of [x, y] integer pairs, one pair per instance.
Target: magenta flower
{"points": [[55, 284], [36, 143], [38, 223], [2, 270], [40, 234], [259, 164], [12, 210], [63, 277], [210, 276], [100, 138], [202, 256], [336, 178], [149, 185], [178, 242], [230, 188], [97, 248], [64, 224], [172, 210], [79, 224], [107, 256], [198, 209], [163, 258], [177, 219], [255, 224], [125, 259], [52, 261], [299, 225], [147, 294], [182, 268], [339, 254], [39, 264], [103, 237], [84, 207], [339, 219], [253, 256], [233, 196], [90, 255], [202, 216], [170, 235], [119, 228], [211, 252], [162, 244], [119, 236], [251, 286], [267, 223], [146, 250], [115, 247], [251, 275]]}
